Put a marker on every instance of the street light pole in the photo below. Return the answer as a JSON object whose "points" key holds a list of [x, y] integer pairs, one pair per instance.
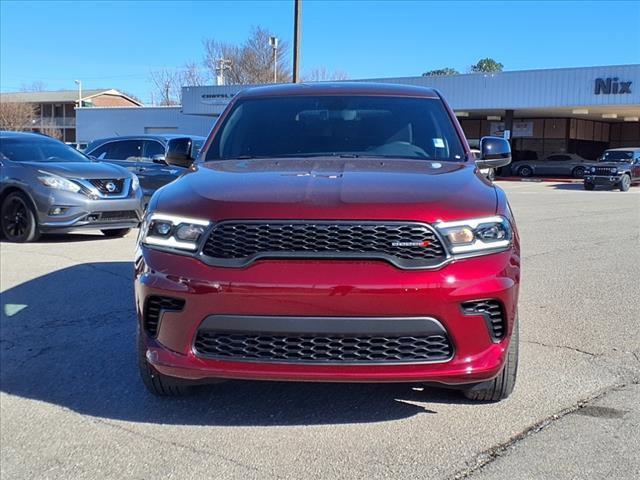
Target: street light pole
{"points": [[297, 16], [79, 83], [273, 41]]}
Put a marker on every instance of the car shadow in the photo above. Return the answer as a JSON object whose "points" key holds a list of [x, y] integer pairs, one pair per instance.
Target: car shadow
{"points": [[69, 237], [68, 338]]}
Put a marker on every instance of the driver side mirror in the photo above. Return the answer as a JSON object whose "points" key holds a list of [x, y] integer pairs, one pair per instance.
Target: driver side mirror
{"points": [[495, 152], [179, 152]]}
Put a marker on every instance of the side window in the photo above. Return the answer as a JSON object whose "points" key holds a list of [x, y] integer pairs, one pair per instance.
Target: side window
{"points": [[558, 158], [126, 150], [153, 148], [102, 151]]}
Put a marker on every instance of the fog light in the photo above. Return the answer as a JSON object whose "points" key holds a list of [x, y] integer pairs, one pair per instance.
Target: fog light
{"points": [[57, 210]]}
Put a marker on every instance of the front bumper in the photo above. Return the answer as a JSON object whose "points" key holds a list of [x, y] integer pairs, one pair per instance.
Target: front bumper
{"points": [[302, 289], [82, 212], [602, 180]]}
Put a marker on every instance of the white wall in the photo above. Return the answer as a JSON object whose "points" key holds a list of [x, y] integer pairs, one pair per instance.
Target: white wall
{"points": [[94, 123]]}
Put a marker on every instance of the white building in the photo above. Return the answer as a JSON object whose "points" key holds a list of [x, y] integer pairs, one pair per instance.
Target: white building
{"points": [[574, 110]]}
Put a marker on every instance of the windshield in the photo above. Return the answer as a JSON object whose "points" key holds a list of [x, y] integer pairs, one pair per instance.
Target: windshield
{"points": [[617, 156], [39, 150], [395, 127]]}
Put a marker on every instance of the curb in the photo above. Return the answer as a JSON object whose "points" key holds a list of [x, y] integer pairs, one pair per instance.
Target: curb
{"points": [[538, 180]]}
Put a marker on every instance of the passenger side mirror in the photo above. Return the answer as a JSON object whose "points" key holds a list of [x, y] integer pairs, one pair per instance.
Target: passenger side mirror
{"points": [[179, 152], [495, 152]]}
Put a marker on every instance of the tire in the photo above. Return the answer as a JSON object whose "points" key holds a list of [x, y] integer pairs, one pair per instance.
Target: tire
{"points": [[500, 387], [589, 186], [18, 220], [525, 171], [625, 183], [156, 383], [578, 172], [116, 232]]}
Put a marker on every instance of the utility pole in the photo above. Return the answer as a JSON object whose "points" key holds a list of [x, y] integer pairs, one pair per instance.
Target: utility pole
{"points": [[297, 17], [222, 65], [273, 41], [79, 83]]}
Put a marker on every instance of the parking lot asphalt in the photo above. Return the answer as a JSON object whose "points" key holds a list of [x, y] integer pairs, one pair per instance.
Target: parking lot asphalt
{"points": [[72, 406]]}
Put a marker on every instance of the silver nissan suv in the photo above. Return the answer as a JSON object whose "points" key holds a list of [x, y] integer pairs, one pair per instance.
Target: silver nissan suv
{"points": [[49, 187]]}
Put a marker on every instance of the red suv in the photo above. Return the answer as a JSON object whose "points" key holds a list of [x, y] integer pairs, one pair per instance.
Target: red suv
{"points": [[331, 232]]}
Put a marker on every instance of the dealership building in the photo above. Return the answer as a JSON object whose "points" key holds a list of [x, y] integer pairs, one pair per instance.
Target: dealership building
{"points": [[571, 110]]}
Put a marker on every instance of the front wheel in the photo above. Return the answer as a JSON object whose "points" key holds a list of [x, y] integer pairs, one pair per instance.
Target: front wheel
{"points": [[500, 387], [19, 223], [589, 186], [625, 183], [578, 172], [116, 232], [525, 171], [156, 383]]}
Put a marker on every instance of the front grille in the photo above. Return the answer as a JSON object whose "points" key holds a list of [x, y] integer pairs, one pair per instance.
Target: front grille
{"points": [[493, 313], [407, 245], [116, 215], [108, 186], [322, 349], [607, 171], [154, 308]]}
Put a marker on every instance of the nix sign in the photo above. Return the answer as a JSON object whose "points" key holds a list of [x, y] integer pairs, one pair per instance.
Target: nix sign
{"points": [[611, 86]]}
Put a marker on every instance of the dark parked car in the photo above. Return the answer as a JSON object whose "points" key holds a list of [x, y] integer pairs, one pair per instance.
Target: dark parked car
{"points": [[49, 187], [331, 232], [556, 164], [143, 155], [617, 167]]}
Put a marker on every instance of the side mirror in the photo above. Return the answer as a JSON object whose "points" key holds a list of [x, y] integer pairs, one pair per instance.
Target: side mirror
{"points": [[179, 152], [495, 151], [159, 159]]}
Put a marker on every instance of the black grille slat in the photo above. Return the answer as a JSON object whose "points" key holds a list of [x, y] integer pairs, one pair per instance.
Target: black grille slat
{"points": [[493, 311], [117, 215], [154, 307], [101, 185], [405, 244], [607, 171], [322, 349]]}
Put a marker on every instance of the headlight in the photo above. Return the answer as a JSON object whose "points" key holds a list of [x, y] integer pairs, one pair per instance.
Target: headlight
{"points": [[614, 171], [57, 182], [135, 182], [476, 235], [172, 231], [593, 169]]}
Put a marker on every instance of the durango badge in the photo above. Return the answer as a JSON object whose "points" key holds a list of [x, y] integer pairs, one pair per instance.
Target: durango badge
{"points": [[424, 243]]}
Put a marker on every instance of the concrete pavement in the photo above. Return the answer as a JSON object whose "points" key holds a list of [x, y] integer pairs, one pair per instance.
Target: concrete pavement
{"points": [[72, 406]]}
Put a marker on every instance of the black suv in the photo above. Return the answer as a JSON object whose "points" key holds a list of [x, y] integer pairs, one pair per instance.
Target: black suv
{"points": [[143, 155], [617, 167]]}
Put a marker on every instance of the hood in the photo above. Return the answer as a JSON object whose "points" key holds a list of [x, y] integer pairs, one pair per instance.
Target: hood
{"points": [[81, 169], [330, 189]]}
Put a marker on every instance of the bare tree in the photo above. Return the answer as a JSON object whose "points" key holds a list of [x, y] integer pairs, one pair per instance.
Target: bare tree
{"points": [[250, 62], [50, 129], [193, 75], [37, 86], [321, 74], [168, 82], [16, 116], [167, 85]]}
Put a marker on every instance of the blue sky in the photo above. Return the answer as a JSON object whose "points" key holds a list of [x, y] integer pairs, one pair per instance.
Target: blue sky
{"points": [[116, 44]]}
